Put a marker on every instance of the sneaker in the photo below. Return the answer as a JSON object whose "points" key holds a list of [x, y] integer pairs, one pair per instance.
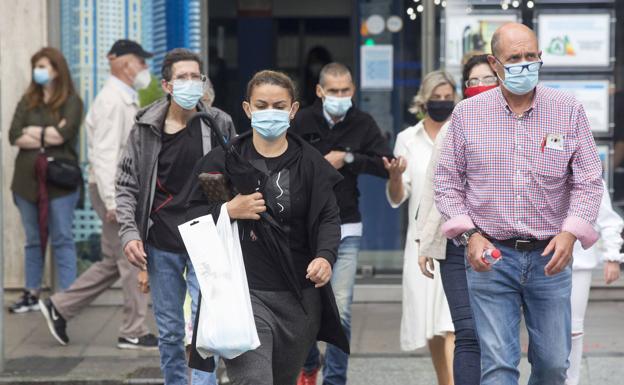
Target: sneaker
{"points": [[26, 303], [146, 342], [56, 322], [307, 378]]}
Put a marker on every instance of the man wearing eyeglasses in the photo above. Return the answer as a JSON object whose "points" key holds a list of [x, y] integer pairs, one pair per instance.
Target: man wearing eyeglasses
{"points": [[520, 173], [159, 158]]}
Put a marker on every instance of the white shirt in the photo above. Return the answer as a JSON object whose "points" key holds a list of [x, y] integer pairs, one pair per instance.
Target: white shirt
{"points": [[330, 120], [108, 124], [415, 145], [609, 225]]}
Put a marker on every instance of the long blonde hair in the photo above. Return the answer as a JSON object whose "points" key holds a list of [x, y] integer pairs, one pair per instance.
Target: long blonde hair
{"points": [[430, 82]]}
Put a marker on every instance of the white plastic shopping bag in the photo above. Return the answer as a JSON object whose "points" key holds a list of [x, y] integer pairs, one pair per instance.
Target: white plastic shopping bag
{"points": [[226, 321]]}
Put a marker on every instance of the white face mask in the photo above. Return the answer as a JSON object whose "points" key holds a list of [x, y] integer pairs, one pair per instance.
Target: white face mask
{"points": [[142, 80]]}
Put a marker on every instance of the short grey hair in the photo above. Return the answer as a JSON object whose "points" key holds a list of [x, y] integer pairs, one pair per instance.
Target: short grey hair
{"points": [[430, 82], [333, 69]]}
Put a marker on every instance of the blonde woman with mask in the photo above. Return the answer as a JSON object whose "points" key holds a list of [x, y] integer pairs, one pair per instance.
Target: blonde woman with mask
{"points": [[426, 318]]}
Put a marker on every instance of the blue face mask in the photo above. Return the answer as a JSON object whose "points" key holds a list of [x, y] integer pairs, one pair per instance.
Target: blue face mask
{"points": [[336, 106], [186, 93], [41, 76], [270, 124], [521, 83]]}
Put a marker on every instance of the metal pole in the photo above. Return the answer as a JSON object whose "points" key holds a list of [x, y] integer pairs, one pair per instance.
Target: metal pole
{"points": [[428, 37], [205, 22], [54, 23], [1, 244]]}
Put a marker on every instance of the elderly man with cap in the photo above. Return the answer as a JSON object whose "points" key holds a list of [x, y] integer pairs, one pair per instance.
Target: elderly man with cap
{"points": [[108, 123]]}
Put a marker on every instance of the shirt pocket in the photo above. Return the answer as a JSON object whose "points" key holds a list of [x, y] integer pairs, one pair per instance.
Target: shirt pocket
{"points": [[552, 163], [550, 172]]}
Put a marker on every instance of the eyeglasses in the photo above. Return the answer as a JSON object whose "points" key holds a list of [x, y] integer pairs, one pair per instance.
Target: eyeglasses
{"points": [[515, 69], [195, 77], [485, 81]]}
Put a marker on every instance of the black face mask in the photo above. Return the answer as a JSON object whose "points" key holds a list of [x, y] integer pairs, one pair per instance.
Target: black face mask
{"points": [[440, 110]]}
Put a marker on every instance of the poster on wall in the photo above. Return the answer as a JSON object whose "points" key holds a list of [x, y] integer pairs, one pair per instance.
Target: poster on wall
{"points": [[595, 98], [604, 152], [575, 39], [473, 32], [376, 67]]}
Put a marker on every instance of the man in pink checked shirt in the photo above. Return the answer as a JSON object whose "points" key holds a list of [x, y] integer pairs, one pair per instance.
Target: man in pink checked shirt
{"points": [[520, 172]]}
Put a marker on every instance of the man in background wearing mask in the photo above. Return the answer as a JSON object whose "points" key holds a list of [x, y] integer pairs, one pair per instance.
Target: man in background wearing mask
{"points": [[158, 160], [108, 123], [353, 143], [520, 172]]}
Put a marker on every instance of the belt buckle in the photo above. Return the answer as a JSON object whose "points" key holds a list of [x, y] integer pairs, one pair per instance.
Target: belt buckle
{"points": [[523, 245]]}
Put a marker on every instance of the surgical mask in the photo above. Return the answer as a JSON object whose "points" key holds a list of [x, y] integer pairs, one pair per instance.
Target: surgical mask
{"points": [[41, 76], [476, 90], [336, 106], [186, 93], [270, 124], [521, 83], [142, 80], [440, 110]]}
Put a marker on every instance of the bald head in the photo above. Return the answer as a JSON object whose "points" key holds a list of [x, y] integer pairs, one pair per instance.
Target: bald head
{"points": [[511, 34]]}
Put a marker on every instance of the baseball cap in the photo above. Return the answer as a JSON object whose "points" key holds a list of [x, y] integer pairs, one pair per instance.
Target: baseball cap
{"points": [[125, 46]]}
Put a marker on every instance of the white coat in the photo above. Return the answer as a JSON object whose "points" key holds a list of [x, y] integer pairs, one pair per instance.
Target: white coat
{"points": [[425, 310], [108, 124]]}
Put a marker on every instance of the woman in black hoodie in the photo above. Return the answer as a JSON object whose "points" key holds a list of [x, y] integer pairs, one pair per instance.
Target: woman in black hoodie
{"points": [[289, 229]]}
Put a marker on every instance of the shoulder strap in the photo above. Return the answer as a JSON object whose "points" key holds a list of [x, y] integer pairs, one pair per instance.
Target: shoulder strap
{"points": [[42, 149]]}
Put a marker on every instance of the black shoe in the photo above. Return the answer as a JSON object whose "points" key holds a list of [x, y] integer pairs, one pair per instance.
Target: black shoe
{"points": [[26, 303], [146, 342], [56, 323]]}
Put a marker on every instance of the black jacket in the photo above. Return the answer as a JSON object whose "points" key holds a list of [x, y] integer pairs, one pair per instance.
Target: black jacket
{"points": [[356, 133], [323, 227]]}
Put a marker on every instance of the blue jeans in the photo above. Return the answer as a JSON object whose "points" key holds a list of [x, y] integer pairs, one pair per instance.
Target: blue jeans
{"points": [[518, 284], [60, 220], [168, 287], [343, 280], [467, 357]]}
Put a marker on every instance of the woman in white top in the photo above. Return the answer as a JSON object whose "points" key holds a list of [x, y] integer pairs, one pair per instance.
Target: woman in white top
{"points": [[609, 225], [426, 318], [434, 251]]}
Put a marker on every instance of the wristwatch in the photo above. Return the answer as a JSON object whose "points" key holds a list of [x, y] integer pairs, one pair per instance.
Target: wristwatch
{"points": [[463, 239], [349, 157]]}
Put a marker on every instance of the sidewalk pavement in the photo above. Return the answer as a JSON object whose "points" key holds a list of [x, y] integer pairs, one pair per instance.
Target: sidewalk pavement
{"points": [[34, 357]]}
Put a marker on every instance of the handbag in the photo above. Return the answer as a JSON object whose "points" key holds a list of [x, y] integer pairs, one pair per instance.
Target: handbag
{"points": [[62, 173], [215, 187]]}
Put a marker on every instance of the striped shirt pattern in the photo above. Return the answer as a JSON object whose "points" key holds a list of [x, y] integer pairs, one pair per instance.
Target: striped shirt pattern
{"points": [[497, 172]]}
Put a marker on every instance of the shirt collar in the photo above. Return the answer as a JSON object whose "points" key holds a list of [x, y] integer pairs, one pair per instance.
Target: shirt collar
{"points": [[420, 130], [129, 91], [329, 119], [537, 99]]}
